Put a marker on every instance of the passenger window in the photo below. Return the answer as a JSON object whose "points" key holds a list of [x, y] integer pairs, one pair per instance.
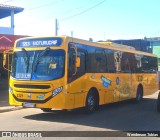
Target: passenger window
{"points": [[110, 60], [100, 64], [125, 67], [72, 62]]}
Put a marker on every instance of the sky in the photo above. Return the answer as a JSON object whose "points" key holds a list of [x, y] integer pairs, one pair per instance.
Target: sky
{"points": [[96, 19]]}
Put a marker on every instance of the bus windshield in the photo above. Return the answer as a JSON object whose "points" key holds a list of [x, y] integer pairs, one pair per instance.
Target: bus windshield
{"points": [[38, 65]]}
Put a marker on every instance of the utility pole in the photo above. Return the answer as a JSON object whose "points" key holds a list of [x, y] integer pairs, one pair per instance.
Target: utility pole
{"points": [[12, 21], [104, 36], [56, 27], [71, 33]]}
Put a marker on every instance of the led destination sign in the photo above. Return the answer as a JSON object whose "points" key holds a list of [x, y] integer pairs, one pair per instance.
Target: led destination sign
{"points": [[40, 42]]}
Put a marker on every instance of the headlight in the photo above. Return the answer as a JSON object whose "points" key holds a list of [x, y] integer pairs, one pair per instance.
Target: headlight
{"points": [[56, 91], [10, 90]]}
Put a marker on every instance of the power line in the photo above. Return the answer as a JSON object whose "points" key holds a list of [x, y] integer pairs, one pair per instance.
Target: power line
{"points": [[80, 7], [43, 6], [83, 11], [49, 18], [44, 20], [7, 1]]}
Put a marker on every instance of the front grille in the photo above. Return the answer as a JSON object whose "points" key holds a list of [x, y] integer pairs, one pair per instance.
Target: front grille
{"points": [[32, 86]]}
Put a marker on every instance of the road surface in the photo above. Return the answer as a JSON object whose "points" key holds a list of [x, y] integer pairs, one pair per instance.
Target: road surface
{"points": [[126, 116]]}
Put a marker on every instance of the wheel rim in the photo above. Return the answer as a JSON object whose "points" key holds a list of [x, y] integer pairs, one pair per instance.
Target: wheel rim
{"points": [[139, 95], [91, 102]]}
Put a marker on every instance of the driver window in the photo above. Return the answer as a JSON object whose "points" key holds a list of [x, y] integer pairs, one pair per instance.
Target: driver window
{"points": [[72, 63]]}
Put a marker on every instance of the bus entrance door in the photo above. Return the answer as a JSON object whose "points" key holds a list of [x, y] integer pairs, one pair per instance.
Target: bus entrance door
{"points": [[76, 78]]}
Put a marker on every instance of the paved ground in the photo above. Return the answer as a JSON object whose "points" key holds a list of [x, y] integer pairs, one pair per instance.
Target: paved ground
{"points": [[4, 99], [4, 93], [133, 117], [121, 117]]}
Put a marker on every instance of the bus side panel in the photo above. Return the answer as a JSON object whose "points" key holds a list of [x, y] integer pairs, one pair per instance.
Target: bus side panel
{"points": [[124, 84], [152, 82], [149, 83], [77, 89], [113, 94], [60, 101], [134, 85], [120, 87], [103, 84], [95, 81]]}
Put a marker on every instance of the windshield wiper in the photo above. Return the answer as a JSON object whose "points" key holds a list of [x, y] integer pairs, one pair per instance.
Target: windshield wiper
{"points": [[39, 57], [26, 60]]}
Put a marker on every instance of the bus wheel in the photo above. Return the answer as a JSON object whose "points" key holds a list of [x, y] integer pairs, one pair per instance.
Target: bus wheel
{"points": [[158, 103], [139, 95], [91, 102], [46, 109]]}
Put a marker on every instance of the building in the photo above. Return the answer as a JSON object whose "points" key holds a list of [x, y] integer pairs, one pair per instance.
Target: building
{"points": [[138, 44], [7, 37], [9, 11], [155, 45]]}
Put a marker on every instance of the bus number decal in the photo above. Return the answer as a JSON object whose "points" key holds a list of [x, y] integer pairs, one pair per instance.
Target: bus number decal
{"points": [[25, 44], [19, 95]]}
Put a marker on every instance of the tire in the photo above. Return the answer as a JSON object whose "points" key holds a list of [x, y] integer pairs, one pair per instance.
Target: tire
{"points": [[139, 95], [46, 109], [158, 103], [91, 102]]}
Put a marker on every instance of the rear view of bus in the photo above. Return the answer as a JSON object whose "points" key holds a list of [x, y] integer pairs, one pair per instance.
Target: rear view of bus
{"points": [[37, 73]]}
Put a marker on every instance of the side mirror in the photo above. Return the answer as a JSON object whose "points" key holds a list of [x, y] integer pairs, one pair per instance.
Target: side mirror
{"points": [[78, 62], [6, 55], [4, 59]]}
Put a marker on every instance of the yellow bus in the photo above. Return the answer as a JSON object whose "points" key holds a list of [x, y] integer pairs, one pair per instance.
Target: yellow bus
{"points": [[67, 73]]}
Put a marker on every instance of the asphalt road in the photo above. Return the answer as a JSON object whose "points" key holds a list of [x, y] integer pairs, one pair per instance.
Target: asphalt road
{"points": [[126, 116]]}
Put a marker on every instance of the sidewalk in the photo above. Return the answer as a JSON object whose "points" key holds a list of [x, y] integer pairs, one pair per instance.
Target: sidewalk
{"points": [[4, 98], [4, 92], [9, 108]]}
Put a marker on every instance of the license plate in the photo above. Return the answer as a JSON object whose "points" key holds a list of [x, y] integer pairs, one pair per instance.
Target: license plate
{"points": [[29, 105]]}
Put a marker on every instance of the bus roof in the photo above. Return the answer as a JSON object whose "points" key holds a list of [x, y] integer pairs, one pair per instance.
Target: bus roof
{"points": [[109, 45], [113, 46], [118, 45]]}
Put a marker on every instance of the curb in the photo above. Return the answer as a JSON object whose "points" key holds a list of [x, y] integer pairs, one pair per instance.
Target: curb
{"points": [[10, 108]]}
